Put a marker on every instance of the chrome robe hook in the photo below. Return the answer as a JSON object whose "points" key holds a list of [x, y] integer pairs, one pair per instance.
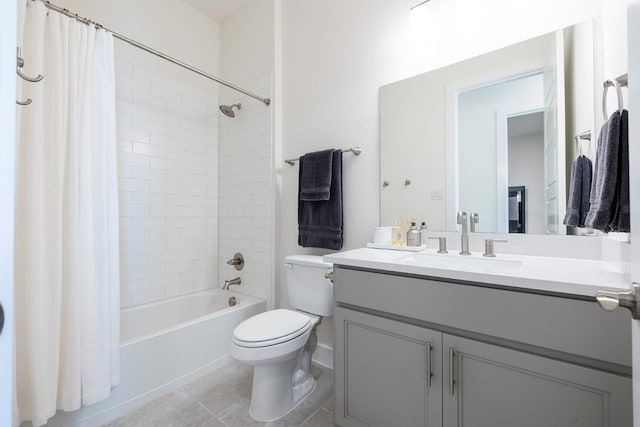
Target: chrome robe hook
{"points": [[20, 64]]}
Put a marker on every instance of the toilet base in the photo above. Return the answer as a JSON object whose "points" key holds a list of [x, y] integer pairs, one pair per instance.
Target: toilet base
{"points": [[276, 392], [279, 387]]}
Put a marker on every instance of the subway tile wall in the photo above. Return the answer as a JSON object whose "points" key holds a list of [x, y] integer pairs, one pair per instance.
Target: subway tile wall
{"points": [[246, 189], [168, 185]]}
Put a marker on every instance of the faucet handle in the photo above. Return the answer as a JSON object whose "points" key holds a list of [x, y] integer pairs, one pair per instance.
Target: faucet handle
{"points": [[473, 220], [442, 244], [237, 261], [488, 246]]}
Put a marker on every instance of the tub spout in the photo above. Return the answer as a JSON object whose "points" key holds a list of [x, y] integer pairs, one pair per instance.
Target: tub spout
{"points": [[228, 283]]}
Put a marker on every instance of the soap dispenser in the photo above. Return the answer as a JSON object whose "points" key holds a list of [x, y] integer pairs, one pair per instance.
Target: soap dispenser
{"points": [[424, 234], [413, 235]]}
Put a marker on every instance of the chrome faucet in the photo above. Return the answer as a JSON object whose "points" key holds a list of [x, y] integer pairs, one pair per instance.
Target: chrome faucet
{"points": [[231, 282], [464, 237], [473, 220]]}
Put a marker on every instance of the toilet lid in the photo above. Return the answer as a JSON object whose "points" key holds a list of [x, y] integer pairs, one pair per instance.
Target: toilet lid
{"points": [[272, 327]]}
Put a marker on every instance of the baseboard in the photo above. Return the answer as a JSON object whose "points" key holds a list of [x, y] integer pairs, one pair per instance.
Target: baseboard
{"points": [[323, 355]]}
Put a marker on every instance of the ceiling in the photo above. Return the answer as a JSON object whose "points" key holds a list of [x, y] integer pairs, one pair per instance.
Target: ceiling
{"points": [[526, 124], [219, 10]]}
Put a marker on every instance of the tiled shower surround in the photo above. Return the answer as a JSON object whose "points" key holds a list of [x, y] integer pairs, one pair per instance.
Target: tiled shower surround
{"points": [[168, 185], [176, 190], [245, 189]]}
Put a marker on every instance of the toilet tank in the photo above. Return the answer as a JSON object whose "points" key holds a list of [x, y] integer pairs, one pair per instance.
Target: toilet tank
{"points": [[307, 287]]}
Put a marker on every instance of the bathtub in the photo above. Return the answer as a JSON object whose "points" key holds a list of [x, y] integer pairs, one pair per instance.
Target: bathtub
{"points": [[164, 345]]}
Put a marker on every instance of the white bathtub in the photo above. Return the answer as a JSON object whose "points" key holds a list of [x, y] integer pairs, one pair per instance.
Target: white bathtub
{"points": [[167, 344]]}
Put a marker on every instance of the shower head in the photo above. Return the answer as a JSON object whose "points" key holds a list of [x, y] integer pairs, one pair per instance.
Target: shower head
{"points": [[227, 110]]}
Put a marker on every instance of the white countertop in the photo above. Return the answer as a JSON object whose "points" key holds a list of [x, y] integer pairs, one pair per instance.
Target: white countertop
{"points": [[547, 274]]}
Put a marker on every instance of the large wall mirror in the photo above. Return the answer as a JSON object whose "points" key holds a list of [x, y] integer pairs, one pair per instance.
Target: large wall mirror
{"points": [[492, 135]]}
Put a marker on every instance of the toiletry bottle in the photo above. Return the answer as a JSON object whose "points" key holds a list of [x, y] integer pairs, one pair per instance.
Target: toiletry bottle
{"points": [[413, 235], [424, 235]]}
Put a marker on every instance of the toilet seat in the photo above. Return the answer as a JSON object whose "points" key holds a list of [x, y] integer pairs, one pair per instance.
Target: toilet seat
{"points": [[271, 328]]}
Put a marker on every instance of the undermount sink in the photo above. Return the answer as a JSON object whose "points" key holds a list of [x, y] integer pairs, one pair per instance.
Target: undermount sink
{"points": [[457, 261]]}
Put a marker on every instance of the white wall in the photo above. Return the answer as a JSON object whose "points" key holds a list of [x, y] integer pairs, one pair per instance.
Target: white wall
{"points": [[175, 29], [337, 54], [458, 29], [247, 197]]}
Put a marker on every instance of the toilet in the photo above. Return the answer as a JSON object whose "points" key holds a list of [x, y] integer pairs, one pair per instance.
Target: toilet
{"points": [[279, 343]]}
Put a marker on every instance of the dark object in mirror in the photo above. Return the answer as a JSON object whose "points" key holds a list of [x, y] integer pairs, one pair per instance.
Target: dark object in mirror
{"points": [[517, 209], [1, 318]]}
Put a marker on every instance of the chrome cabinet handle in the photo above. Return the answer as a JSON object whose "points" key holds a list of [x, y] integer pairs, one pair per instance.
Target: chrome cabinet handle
{"points": [[1, 318], [452, 381], [611, 300], [429, 370]]}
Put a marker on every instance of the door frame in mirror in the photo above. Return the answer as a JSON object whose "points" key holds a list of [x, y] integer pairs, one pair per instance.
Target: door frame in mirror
{"points": [[453, 90]]}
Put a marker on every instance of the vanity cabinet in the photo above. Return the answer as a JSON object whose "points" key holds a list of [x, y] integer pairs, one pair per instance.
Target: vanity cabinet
{"points": [[412, 351], [496, 386], [390, 373]]}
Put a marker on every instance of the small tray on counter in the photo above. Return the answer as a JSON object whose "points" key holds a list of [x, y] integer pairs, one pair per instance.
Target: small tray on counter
{"points": [[397, 248]]}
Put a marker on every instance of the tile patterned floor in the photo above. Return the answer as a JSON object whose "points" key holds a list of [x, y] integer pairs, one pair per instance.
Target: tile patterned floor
{"points": [[221, 399]]}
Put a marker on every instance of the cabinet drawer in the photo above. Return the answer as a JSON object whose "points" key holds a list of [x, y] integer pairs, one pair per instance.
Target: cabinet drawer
{"points": [[564, 325]]}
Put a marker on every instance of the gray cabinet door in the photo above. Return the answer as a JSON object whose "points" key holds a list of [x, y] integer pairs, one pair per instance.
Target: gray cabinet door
{"points": [[495, 386], [381, 370]]}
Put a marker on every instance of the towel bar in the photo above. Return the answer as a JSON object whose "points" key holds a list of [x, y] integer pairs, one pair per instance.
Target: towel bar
{"points": [[619, 82], [354, 150], [586, 135]]}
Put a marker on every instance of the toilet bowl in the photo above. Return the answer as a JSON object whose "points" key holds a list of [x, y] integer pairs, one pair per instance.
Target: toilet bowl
{"points": [[279, 343]]}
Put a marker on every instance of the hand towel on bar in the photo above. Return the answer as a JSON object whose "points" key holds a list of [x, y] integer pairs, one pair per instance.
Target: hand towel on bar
{"points": [[320, 221], [605, 176], [315, 180], [579, 189], [622, 218]]}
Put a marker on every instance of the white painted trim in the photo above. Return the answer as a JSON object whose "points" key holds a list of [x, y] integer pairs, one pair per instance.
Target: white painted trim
{"points": [[323, 356], [8, 23], [502, 162], [633, 31], [502, 171], [561, 161], [452, 91]]}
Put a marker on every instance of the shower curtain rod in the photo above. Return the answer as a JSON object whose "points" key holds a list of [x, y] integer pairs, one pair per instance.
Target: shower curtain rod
{"points": [[87, 21]]}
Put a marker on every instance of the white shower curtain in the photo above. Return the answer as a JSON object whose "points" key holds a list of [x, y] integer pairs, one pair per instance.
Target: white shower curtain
{"points": [[67, 269]]}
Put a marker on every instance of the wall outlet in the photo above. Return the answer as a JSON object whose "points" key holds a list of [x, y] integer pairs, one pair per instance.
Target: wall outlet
{"points": [[436, 195]]}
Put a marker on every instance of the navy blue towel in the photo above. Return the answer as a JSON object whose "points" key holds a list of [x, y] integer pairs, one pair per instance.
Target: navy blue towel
{"points": [[610, 207], [602, 200], [320, 221], [315, 178], [621, 221], [579, 189]]}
